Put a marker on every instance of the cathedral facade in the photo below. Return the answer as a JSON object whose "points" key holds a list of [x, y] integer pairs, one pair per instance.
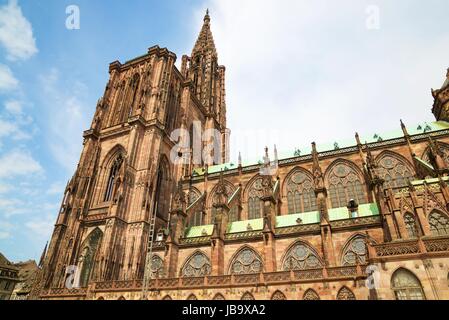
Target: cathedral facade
{"points": [[366, 220]]}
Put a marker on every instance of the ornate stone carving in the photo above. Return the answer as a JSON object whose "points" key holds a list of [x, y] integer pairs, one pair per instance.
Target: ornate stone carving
{"points": [[198, 265], [301, 257], [311, 295], [355, 252], [246, 262], [345, 294], [278, 295]]}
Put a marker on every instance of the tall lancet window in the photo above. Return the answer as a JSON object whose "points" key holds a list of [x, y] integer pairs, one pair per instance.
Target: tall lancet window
{"points": [[300, 193], [113, 173], [255, 205], [345, 184], [134, 87]]}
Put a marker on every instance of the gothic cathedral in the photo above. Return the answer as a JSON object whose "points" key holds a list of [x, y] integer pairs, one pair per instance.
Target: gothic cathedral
{"points": [[360, 221]]}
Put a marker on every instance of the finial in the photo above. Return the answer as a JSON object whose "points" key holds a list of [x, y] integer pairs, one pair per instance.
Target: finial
{"points": [[404, 129], [207, 17], [240, 159], [275, 153], [313, 147], [447, 74], [357, 138]]}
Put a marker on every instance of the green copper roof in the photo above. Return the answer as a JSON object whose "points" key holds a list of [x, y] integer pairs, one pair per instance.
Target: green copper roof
{"points": [[364, 210], [292, 219], [425, 127], [200, 231], [242, 226]]}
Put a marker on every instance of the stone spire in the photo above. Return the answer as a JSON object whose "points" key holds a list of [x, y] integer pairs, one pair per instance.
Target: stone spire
{"points": [[205, 42]]}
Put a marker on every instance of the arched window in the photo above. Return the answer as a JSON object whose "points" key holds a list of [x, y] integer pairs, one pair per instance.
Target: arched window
{"points": [[355, 252], [255, 205], [442, 148], [345, 294], [134, 85], [121, 298], [157, 267], [219, 296], [192, 297], [439, 223], [198, 265], [395, 171], [167, 297], [300, 193], [87, 258], [310, 294], [301, 257], [113, 174], [246, 261], [247, 296], [410, 225], [162, 191], [278, 295], [196, 218], [345, 184], [406, 286]]}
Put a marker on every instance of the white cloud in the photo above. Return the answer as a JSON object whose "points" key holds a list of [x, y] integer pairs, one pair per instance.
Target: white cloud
{"points": [[5, 230], [42, 227], [68, 117], [56, 188], [19, 163], [16, 32], [312, 71], [7, 80], [14, 107]]}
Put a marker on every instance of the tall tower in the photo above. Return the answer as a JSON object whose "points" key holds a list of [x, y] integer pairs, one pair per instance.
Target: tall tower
{"points": [[125, 173], [207, 79]]}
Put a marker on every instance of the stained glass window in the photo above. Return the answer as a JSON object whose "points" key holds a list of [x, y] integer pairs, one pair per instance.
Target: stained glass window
{"points": [[278, 295], [198, 265], [113, 173], [300, 257], [406, 286], [439, 223], [196, 219], [254, 203], [300, 193], [355, 251], [247, 296], [345, 294], [246, 262], [311, 295], [410, 225], [395, 171], [344, 185], [219, 296], [157, 267]]}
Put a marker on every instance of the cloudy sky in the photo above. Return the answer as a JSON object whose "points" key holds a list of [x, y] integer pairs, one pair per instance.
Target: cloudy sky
{"points": [[297, 71]]}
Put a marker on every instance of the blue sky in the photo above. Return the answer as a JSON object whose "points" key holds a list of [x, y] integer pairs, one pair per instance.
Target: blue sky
{"points": [[301, 70]]}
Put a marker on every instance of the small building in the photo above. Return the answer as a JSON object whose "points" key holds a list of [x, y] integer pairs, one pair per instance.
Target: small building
{"points": [[27, 274], [9, 275]]}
